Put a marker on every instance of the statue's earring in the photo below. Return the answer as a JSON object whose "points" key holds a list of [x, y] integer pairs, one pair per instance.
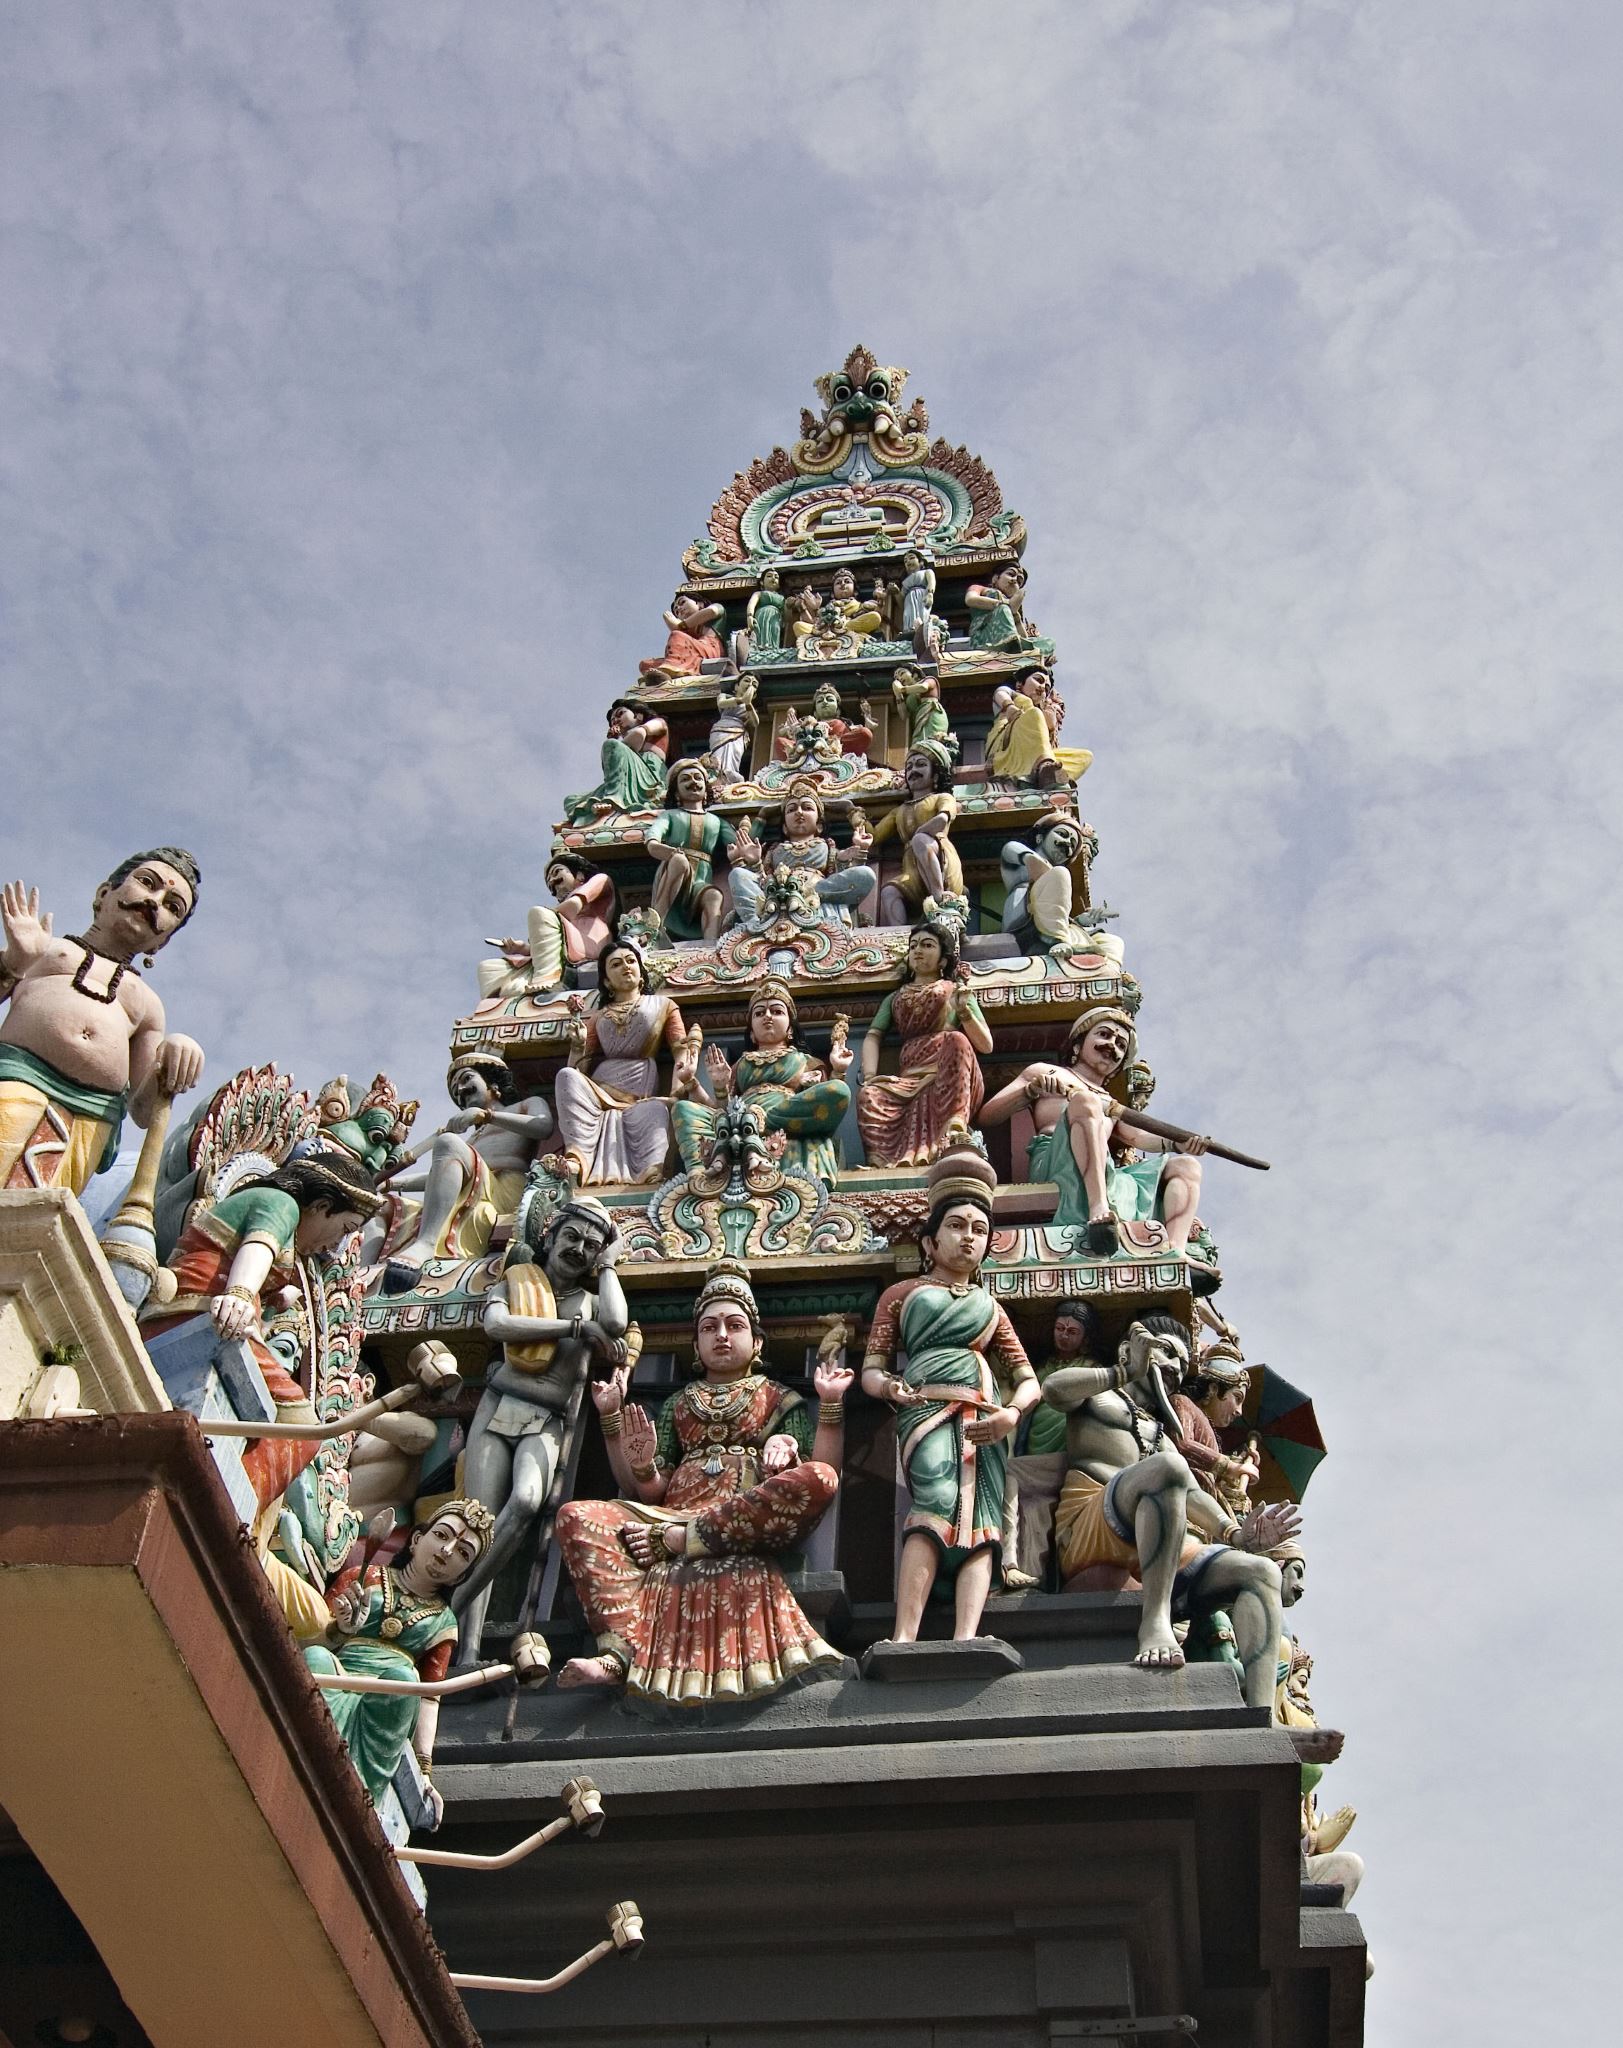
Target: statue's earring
{"points": [[148, 962]]}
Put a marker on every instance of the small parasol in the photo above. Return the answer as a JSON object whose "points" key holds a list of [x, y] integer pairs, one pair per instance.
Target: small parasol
{"points": [[1282, 1420]]}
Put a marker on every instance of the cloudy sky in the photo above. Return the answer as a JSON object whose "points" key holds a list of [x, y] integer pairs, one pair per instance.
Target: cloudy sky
{"points": [[366, 368]]}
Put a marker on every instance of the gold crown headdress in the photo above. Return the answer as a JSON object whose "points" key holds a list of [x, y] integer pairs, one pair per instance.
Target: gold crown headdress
{"points": [[479, 1519], [728, 1280], [773, 990]]}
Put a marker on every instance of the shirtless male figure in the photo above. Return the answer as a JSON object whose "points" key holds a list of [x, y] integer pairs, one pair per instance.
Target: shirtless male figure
{"points": [[477, 1162], [1131, 1502], [82, 1042]]}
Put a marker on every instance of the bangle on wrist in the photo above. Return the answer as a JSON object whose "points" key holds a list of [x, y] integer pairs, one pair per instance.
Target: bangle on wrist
{"points": [[644, 1472], [831, 1412], [613, 1422], [246, 1294], [575, 1323], [425, 1765]]}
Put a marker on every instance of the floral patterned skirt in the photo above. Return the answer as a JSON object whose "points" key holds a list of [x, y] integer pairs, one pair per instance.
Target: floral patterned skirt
{"points": [[700, 1628]]}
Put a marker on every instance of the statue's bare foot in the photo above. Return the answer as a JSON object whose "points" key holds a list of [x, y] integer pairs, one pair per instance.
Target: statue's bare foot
{"points": [[1159, 1650], [637, 1541], [1317, 1745], [1019, 1580], [591, 1671], [1103, 1237]]}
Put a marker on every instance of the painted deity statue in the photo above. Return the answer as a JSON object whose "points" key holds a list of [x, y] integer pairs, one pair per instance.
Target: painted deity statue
{"points": [[1041, 891], [825, 711], [763, 617], [918, 600], [557, 1306], [373, 1130], [921, 824], [843, 613], [476, 1165], [395, 1622], [959, 1399], [1020, 748], [557, 940], [1075, 1111], [735, 721], [998, 622], [1037, 1468], [633, 765], [236, 1255], [919, 699], [690, 641], [82, 1040], [802, 1106], [680, 1578], [687, 839], [1324, 1861], [612, 1124], [1130, 1508], [838, 878], [1209, 1403], [907, 1118]]}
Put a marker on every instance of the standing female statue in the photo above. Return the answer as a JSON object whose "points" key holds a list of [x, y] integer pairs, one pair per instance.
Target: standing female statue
{"points": [[905, 1118], [611, 1122], [679, 1579], [958, 1400]]}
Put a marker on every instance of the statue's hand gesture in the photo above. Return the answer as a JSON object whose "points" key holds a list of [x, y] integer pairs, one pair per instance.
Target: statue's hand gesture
{"points": [[1266, 1526], [608, 1396], [232, 1316], [1192, 1146], [779, 1453], [350, 1606], [638, 1440], [832, 1381], [576, 1031], [717, 1070], [861, 834], [28, 933], [992, 1426], [745, 851]]}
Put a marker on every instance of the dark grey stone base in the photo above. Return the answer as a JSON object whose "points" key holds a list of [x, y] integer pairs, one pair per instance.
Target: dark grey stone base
{"points": [[984, 1657]]}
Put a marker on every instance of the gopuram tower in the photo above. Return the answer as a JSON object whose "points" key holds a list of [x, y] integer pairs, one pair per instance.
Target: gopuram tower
{"points": [[940, 1691], [786, 1414]]}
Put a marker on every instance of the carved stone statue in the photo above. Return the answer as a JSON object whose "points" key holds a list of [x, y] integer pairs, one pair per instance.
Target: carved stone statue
{"points": [[918, 604], [476, 1166], [1037, 908], [1209, 1403], [802, 1107], [558, 939], [959, 1398], [908, 1117], [612, 1124], [373, 1129], [997, 623], [919, 698], [851, 739], [1076, 1113], [396, 1623], [237, 1254], [921, 823], [845, 612], [633, 765], [557, 1306], [82, 1041], [838, 878], [1130, 1505], [763, 616], [689, 642], [736, 719], [686, 840], [679, 1578], [1037, 1469], [1020, 746]]}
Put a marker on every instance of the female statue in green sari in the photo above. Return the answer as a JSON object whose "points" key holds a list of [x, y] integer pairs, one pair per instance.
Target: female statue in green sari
{"points": [[781, 1078], [958, 1400], [397, 1624]]}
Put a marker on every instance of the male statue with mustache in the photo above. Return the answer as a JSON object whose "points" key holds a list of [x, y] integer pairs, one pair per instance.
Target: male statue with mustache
{"points": [[1130, 1508], [82, 1041]]}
